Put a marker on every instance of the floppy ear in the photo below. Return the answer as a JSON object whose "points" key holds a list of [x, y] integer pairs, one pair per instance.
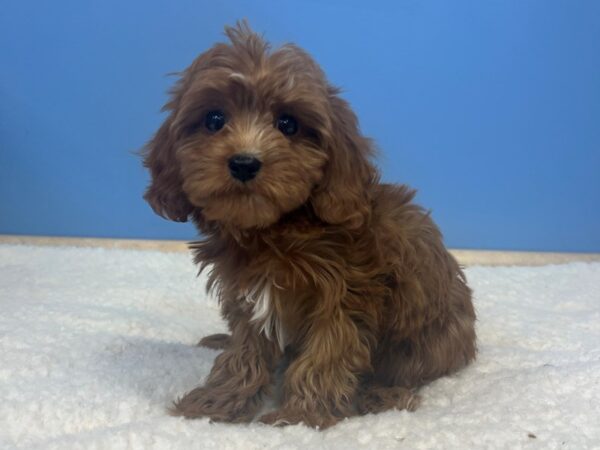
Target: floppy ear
{"points": [[343, 197], [165, 194]]}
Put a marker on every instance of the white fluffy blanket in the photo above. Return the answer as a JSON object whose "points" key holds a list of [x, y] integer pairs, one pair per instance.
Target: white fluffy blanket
{"points": [[96, 343]]}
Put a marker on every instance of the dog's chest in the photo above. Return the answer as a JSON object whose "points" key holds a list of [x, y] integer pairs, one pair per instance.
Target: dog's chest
{"points": [[263, 297]]}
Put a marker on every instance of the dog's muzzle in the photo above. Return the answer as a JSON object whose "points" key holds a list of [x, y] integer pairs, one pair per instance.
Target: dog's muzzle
{"points": [[243, 167]]}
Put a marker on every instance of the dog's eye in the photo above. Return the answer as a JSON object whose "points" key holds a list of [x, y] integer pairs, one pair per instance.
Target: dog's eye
{"points": [[214, 120], [287, 124]]}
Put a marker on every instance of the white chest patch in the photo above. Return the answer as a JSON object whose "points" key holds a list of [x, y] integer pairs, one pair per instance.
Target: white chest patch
{"points": [[263, 311]]}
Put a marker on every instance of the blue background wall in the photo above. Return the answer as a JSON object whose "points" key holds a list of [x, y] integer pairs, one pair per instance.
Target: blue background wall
{"points": [[490, 108]]}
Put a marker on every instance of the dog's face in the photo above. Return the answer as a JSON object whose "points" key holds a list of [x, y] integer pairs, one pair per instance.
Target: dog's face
{"points": [[250, 134], [254, 134]]}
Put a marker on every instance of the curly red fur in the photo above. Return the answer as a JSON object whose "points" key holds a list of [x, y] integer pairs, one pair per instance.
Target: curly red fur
{"points": [[314, 261]]}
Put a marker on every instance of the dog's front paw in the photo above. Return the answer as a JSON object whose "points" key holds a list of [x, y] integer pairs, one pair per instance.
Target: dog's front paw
{"points": [[287, 416], [218, 405]]}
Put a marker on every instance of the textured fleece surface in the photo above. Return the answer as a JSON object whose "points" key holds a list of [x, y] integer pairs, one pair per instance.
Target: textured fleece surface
{"points": [[96, 343]]}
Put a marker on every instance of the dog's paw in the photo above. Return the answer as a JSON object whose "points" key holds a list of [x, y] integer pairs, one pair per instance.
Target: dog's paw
{"points": [[200, 402], [284, 416], [377, 399], [219, 406]]}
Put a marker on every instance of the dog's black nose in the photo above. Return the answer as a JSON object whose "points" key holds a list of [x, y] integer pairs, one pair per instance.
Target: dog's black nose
{"points": [[243, 167]]}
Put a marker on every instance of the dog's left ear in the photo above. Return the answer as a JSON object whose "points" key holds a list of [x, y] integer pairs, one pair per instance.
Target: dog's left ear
{"points": [[343, 197]]}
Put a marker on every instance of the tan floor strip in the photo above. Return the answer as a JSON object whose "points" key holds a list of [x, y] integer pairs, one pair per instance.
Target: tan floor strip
{"points": [[466, 257]]}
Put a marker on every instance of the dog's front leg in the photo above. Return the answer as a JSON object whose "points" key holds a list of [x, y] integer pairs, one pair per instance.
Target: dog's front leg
{"points": [[241, 375], [320, 384]]}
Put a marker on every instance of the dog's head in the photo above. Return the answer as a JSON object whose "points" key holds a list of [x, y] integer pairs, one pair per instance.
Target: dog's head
{"points": [[253, 134]]}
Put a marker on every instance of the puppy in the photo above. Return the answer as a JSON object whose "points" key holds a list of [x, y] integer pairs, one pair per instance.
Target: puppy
{"points": [[314, 261]]}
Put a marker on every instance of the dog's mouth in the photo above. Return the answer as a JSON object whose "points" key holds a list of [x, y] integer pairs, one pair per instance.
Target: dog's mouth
{"points": [[242, 209], [244, 190], [249, 204]]}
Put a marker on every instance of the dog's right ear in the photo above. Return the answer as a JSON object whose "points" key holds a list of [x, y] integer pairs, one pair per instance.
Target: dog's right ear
{"points": [[165, 193]]}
